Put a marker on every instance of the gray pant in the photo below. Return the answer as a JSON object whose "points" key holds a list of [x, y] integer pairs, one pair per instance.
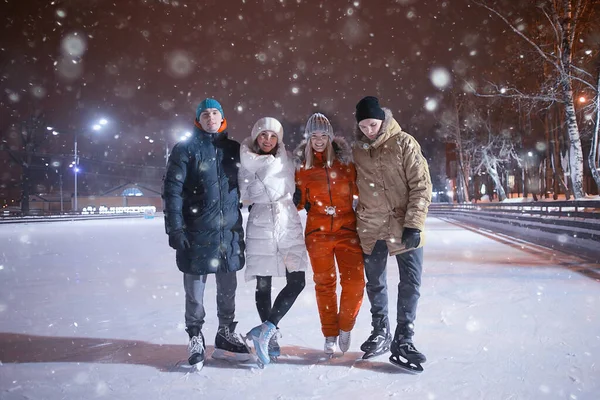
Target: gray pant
{"points": [[194, 298], [410, 266]]}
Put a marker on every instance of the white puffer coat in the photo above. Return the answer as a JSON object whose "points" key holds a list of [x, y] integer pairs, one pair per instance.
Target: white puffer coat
{"points": [[274, 237]]}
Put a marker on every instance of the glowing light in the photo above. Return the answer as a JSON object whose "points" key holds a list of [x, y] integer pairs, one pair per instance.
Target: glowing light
{"points": [[440, 77]]}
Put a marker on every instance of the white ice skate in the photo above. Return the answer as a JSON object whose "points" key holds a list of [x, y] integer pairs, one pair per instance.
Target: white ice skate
{"points": [[330, 345], [344, 341]]}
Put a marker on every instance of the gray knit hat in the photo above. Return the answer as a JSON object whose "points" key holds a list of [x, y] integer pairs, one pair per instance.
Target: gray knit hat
{"points": [[318, 123]]}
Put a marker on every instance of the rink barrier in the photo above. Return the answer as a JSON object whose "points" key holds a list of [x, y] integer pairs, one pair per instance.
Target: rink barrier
{"points": [[88, 213], [580, 217], [570, 226]]}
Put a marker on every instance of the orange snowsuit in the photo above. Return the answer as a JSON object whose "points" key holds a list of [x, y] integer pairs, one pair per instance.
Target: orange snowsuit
{"points": [[331, 232]]}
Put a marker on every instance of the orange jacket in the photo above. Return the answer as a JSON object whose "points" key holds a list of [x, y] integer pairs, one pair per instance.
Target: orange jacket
{"points": [[330, 191]]}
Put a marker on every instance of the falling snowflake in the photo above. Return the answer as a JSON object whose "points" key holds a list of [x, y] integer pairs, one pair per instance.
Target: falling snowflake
{"points": [[440, 77], [73, 45], [179, 64], [431, 105]]}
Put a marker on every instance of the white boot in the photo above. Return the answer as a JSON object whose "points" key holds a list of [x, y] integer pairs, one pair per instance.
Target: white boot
{"points": [[344, 341], [330, 345]]}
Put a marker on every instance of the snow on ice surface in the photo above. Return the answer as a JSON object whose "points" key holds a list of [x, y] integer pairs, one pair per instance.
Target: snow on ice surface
{"points": [[94, 309]]}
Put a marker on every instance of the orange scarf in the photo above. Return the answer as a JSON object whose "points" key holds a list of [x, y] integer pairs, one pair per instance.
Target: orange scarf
{"points": [[221, 129]]}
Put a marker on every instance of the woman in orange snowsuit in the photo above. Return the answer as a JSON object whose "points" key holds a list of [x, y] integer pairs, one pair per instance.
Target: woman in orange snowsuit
{"points": [[325, 179]]}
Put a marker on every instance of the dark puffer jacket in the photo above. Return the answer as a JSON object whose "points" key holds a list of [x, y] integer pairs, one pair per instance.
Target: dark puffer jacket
{"points": [[202, 198]]}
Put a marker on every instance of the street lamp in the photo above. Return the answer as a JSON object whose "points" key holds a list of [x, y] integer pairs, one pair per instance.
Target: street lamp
{"points": [[75, 165], [185, 136]]}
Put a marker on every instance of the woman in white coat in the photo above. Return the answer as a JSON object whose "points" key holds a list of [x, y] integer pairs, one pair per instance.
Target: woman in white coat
{"points": [[275, 245]]}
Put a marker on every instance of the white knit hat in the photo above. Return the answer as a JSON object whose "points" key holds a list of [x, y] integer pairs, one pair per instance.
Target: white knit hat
{"points": [[318, 123], [267, 124]]}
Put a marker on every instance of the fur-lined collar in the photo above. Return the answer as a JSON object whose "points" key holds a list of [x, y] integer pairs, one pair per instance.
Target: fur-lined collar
{"points": [[341, 148], [389, 128], [254, 162]]}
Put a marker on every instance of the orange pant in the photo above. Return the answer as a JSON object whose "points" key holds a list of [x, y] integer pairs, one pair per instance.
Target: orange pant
{"points": [[344, 245]]}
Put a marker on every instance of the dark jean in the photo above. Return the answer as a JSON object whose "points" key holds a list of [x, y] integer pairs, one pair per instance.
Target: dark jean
{"points": [[410, 266], [194, 298]]}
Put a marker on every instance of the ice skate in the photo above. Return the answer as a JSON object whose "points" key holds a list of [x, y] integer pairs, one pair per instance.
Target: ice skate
{"points": [[406, 356], [260, 337], [196, 348], [378, 343], [274, 349], [330, 346], [228, 346], [344, 341]]}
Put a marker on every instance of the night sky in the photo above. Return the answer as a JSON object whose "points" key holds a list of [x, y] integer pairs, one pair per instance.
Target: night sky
{"points": [[145, 64]]}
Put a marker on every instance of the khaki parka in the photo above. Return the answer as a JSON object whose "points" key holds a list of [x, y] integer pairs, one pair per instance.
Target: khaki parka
{"points": [[394, 186]]}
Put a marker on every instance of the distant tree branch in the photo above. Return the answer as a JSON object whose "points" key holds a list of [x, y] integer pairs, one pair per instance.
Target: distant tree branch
{"points": [[541, 52]]}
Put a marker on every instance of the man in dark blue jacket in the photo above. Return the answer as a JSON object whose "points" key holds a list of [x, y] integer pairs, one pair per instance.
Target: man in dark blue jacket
{"points": [[204, 224]]}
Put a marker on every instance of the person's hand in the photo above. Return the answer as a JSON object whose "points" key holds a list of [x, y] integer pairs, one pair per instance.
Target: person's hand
{"points": [[178, 240], [297, 196], [411, 238]]}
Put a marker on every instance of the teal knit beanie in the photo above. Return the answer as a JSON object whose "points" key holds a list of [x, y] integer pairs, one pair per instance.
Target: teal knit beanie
{"points": [[208, 103]]}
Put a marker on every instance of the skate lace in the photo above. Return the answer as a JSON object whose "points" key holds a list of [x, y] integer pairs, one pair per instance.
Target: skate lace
{"points": [[344, 338], [231, 337], [273, 340], [196, 345]]}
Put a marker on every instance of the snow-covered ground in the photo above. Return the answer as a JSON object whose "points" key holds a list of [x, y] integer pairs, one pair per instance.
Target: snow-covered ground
{"points": [[94, 309]]}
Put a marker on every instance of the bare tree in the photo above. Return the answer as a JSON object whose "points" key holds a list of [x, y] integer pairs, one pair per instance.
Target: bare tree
{"points": [[29, 136], [566, 19], [494, 150], [454, 129], [594, 156]]}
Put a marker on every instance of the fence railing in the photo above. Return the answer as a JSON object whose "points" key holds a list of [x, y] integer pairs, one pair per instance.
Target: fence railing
{"points": [[568, 209], [578, 219]]}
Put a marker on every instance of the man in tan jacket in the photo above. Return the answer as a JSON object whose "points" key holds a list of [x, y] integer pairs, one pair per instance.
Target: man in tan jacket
{"points": [[394, 195]]}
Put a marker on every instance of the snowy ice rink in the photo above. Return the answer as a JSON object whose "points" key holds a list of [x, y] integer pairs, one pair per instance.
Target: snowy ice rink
{"points": [[94, 309]]}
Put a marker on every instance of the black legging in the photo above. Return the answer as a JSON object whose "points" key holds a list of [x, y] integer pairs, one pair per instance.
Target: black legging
{"points": [[285, 299]]}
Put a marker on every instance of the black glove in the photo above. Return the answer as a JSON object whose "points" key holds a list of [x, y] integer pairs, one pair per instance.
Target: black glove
{"points": [[411, 238], [178, 240], [297, 196], [250, 207]]}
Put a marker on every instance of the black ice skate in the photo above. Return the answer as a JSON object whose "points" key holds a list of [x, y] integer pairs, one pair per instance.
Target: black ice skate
{"points": [[406, 356], [228, 346], [378, 343], [196, 347]]}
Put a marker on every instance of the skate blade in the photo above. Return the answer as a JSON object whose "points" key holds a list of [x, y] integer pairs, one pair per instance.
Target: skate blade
{"points": [[368, 355], [250, 345], [410, 367], [220, 354], [195, 368]]}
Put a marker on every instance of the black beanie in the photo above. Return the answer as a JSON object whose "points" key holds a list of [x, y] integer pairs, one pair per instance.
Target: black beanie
{"points": [[368, 107]]}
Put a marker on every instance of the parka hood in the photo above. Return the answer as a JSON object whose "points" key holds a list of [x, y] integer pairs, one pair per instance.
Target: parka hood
{"points": [[389, 128]]}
